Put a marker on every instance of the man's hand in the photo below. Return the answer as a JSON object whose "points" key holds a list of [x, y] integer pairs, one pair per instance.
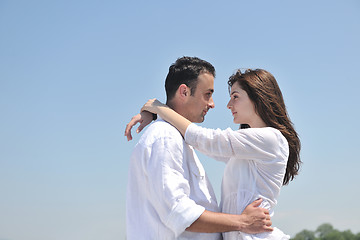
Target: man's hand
{"points": [[255, 219], [144, 118]]}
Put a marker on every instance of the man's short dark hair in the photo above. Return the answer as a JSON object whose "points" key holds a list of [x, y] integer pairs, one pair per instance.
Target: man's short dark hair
{"points": [[186, 71]]}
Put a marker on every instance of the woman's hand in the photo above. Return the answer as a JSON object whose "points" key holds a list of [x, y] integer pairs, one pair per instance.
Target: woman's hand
{"points": [[144, 118], [152, 106]]}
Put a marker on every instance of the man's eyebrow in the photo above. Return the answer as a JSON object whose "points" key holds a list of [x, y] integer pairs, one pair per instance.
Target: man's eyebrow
{"points": [[234, 92], [211, 90]]}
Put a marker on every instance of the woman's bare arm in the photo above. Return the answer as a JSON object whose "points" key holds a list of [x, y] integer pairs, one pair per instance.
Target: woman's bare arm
{"points": [[167, 114]]}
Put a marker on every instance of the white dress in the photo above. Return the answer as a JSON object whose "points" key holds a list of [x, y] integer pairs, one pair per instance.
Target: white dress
{"points": [[255, 160]]}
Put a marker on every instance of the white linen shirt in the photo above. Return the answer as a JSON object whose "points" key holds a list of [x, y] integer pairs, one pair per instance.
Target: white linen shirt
{"points": [[167, 188], [256, 160]]}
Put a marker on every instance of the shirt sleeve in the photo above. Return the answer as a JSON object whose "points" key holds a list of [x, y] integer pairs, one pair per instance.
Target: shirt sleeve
{"points": [[170, 189], [253, 143]]}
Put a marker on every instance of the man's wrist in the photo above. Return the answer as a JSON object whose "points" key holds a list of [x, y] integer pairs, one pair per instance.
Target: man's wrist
{"points": [[242, 223]]}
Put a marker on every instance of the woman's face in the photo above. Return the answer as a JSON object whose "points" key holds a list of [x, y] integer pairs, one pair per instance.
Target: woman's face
{"points": [[242, 108]]}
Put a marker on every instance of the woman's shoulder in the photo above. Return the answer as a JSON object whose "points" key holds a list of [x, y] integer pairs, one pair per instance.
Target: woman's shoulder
{"points": [[266, 132], [267, 135], [277, 140], [279, 137]]}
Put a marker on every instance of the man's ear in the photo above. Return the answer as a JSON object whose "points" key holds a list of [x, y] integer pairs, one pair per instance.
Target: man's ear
{"points": [[183, 91]]}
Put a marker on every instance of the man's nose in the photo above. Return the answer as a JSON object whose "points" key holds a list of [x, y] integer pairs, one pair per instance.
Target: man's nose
{"points": [[211, 103]]}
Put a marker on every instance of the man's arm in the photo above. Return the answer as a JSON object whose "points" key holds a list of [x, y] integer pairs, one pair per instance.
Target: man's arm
{"points": [[252, 220]]}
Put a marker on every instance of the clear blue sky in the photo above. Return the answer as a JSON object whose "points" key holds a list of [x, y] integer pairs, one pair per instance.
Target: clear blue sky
{"points": [[73, 73]]}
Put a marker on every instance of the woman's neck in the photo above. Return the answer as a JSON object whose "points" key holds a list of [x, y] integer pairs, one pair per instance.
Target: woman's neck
{"points": [[257, 123]]}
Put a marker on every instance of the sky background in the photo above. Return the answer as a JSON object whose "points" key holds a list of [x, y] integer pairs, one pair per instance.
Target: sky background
{"points": [[73, 73]]}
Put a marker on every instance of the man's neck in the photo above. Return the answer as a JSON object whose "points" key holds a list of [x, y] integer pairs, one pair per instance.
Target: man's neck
{"points": [[176, 108], [170, 105]]}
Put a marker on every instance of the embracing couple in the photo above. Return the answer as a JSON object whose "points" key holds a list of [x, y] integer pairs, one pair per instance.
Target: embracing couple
{"points": [[169, 195]]}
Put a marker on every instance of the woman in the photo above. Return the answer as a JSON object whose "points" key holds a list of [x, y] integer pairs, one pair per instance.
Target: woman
{"points": [[260, 157]]}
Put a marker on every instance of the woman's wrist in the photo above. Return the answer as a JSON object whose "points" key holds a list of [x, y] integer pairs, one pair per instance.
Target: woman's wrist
{"points": [[154, 116]]}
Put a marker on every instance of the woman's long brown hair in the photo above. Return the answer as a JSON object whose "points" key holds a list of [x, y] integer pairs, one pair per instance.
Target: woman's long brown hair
{"points": [[264, 92]]}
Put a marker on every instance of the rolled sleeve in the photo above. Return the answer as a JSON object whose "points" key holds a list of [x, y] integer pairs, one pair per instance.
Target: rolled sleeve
{"points": [[190, 134], [186, 212]]}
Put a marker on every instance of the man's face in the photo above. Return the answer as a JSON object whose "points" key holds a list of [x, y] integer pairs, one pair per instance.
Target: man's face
{"points": [[201, 101]]}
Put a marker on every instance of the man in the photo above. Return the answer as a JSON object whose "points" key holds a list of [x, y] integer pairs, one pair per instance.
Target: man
{"points": [[169, 195]]}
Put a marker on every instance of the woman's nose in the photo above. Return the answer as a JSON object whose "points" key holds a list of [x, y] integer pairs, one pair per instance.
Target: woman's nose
{"points": [[228, 105]]}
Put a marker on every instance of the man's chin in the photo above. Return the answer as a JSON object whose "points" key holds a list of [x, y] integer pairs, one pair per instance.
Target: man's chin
{"points": [[202, 119]]}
